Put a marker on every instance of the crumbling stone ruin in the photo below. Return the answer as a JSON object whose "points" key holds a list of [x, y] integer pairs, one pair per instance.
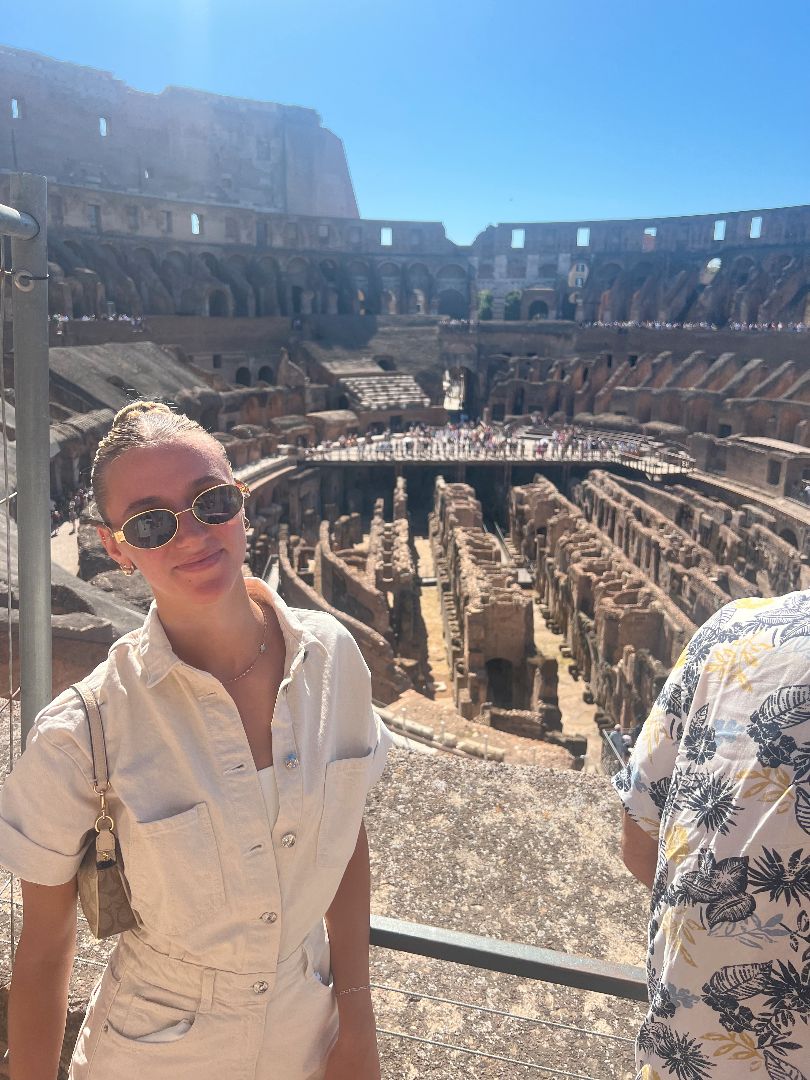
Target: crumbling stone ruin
{"points": [[497, 674]]}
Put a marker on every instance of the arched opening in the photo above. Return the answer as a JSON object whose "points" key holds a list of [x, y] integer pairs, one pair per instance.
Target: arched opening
{"points": [[710, 271], [297, 299], [388, 302], [499, 683], [218, 306], [418, 284], [360, 303], [789, 536], [519, 401], [242, 376], [266, 375], [453, 304], [538, 310]]}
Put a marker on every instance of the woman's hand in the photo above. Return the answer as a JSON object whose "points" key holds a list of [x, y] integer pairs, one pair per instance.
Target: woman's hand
{"points": [[354, 1055]]}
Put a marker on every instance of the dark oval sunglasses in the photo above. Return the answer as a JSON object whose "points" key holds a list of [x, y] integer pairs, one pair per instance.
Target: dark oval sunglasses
{"points": [[154, 528]]}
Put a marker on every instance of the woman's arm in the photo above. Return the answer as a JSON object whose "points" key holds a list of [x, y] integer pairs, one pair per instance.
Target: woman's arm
{"points": [[348, 920], [37, 1005]]}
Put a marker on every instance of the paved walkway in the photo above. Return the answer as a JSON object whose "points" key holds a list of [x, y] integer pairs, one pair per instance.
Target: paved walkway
{"points": [[65, 548]]}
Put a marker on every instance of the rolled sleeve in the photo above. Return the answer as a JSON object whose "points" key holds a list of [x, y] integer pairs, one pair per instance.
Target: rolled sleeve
{"points": [[47, 806], [643, 783], [381, 740]]}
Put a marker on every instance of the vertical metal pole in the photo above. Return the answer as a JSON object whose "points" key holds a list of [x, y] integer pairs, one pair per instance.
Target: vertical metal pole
{"points": [[31, 399]]}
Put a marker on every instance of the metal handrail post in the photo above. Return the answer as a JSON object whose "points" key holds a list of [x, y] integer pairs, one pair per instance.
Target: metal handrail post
{"points": [[29, 261]]}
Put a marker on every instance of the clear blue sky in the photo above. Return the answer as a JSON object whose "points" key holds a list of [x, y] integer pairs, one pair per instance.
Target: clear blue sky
{"points": [[477, 111]]}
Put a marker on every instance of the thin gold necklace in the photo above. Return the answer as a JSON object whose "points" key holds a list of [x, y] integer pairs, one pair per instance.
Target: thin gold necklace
{"points": [[262, 649]]}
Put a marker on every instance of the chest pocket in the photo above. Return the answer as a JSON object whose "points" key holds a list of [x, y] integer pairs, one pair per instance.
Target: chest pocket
{"points": [[174, 870], [344, 799]]}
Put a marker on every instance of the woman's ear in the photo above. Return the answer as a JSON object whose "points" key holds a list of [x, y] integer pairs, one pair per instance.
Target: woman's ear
{"points": [[110, 544]]}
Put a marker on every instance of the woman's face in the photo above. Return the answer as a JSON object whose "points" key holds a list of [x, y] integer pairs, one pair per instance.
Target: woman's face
{"points": [[201, 563]]}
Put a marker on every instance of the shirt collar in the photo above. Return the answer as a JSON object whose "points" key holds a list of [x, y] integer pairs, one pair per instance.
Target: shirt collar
{"points": [[158, 657]]}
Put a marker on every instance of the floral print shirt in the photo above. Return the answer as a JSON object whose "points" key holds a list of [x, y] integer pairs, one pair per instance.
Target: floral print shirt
{"points": [[720, 777]]}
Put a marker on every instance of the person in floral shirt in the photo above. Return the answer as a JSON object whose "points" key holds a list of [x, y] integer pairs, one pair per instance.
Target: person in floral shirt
{"points": [[717, 795]]}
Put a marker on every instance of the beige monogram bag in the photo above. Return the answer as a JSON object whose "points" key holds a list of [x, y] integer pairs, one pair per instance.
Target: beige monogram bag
{"points": [[103, 889]]}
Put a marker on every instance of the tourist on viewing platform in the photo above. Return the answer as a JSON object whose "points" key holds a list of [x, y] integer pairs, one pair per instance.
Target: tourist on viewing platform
{"points": [[241, 743], [717, 794]]}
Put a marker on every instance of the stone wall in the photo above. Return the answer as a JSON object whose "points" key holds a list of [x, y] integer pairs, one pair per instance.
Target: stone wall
{"points": [[388, 678], [625, 634], [488, 619]]}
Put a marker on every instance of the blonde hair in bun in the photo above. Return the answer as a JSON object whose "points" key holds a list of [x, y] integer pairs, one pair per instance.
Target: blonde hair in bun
{"points": [[139, 424]]}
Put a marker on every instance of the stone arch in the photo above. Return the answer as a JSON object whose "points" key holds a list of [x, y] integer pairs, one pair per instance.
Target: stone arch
{"points": [[265, 276], [242, 376], [538, 310], [452, 303], [390, 276], [266, 374], [418, 289], [235, 272], [143, 256], [219, 303], [358, 272], [211, 262], [500, 682]]}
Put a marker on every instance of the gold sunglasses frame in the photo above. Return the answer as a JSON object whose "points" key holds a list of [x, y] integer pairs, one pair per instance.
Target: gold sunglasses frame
{"points": [[118, 534]]}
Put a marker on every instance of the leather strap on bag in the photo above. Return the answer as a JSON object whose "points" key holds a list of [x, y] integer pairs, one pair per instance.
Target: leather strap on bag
{"points": [[105, 826]]}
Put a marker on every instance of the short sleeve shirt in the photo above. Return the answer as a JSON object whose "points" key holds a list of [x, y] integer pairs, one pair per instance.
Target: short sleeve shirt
{"points": [[720, 776], [213, 881]]}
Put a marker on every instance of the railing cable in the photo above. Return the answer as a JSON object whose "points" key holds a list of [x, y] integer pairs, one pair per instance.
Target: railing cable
{"points": [[503, 1012], [488, 1056]]}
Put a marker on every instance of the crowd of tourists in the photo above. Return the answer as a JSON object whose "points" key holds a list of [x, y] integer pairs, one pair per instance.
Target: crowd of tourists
{"points": [[68, 508], [476, 440], [658, 324]]}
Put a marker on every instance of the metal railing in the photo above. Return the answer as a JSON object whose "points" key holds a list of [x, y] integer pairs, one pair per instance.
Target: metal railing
{"points": [[24, 294]]}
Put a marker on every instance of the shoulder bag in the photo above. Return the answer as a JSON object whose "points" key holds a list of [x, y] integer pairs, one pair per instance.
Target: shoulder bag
{"points": [[103, 889]]}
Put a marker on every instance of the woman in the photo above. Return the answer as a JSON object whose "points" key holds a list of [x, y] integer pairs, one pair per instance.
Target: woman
{"points": [[241, 744]]}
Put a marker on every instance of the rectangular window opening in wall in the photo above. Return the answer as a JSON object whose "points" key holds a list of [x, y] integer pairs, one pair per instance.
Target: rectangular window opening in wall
{"points": [[648, 239], [723, 431], [94, 216], [518, 238], [355, 236], [651, 230], [196, 225], [132, 217], [579, 282], [583, 236], [167, 221], [719, 230], [261, 234], [632, 359], [323, 232], [16, 112], [231, 229], [774, 471], [103, 127], [216, 360], [580, 268], [756, 228], [386, 236], [290, 234]]}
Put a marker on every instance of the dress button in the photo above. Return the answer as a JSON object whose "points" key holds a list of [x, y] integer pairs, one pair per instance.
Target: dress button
{"points": [[291, 761], [288, 840], [269, 916], [260, 987]]}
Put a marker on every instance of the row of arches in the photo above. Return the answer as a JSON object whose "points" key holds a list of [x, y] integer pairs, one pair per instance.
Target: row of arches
{"points": [[139, 281]]}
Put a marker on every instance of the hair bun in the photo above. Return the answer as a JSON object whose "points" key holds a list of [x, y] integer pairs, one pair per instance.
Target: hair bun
{"points": [[136, 407]]}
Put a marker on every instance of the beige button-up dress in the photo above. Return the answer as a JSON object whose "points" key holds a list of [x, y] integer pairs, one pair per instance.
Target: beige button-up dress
{"points": [[230, 960]]}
